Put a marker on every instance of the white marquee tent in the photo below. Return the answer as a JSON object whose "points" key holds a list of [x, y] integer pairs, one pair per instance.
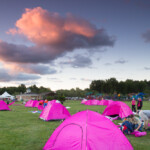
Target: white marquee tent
{"points": [[6, 95]]}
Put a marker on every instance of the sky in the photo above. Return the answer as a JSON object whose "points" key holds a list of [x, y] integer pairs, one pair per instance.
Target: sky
{"points": [[64, 44]]}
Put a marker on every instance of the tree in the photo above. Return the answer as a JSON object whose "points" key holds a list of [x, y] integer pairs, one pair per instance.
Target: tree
{"points": [[61, 98]]}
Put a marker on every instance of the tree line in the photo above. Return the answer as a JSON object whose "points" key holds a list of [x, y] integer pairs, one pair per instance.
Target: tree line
{"points": [[22, 89], [109, 86], [112, 85]]}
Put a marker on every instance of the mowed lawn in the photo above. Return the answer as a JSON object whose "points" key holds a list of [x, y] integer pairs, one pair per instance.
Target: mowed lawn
{"points": [[22, 130]]}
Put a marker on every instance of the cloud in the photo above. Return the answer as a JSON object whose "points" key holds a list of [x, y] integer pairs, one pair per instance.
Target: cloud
{"points": [[120, 61], [6, 77], [31, 69], [84, 79], [54, 79], [107, 64], [52, 36], [73, 78], [55, 34], [46, 28], [147, 68], [78, 61], [146, 36]]}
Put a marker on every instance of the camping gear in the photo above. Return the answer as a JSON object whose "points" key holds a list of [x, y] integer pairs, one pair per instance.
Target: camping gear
{"points": [[3, 105], [138, 133], [87, 130], [54, 111], [118, 108]]}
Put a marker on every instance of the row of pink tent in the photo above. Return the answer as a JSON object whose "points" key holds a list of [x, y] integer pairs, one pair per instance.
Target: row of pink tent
{"points": [[84, 130], [96, 102], [53, 111], [113, 107]]}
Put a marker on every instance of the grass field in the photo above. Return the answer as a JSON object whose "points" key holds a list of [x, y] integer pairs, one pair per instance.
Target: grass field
{"points": [[22, 130]]}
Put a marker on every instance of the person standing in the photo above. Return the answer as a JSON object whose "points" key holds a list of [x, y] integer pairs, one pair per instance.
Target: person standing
{"points": [[139, 104], [133, 105]]}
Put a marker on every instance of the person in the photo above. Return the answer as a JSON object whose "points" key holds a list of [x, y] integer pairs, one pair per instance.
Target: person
{"points": [[139, 104], [7, 102], [145, 116], [41, 103], [136, 123], [133, 104], [45, 103], [127, 126]]}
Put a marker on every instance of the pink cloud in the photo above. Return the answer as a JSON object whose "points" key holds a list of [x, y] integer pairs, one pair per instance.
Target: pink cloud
{"points": [[53, 36], [46, 28]]}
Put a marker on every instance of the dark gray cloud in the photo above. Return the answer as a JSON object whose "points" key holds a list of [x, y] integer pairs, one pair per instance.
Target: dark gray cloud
{"points": [[78, 61], [6, 77], [120, 61], [24, 54], [147, 68], [146, 36]]}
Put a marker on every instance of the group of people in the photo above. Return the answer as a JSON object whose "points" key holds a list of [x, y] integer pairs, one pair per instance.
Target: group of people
{"points": [[133, 123], [44, 103], [139, 104]]}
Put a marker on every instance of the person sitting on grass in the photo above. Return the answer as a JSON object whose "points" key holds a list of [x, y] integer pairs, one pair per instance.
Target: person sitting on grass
{"points": [[127, 126], [145, 116], [136, 123]]}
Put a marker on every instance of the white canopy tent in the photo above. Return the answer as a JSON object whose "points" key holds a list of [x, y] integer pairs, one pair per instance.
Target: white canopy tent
{"points": [[6, 95]]}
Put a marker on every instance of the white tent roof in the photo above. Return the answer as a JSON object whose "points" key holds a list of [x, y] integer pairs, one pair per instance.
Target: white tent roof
{"points": [[6, 95]]}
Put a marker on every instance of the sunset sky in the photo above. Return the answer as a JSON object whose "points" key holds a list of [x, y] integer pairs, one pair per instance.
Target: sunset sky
{"points": [[64, 44]]}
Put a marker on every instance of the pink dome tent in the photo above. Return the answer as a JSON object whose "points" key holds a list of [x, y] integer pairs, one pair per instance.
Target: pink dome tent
{"points": [[118, 108], [40, 107], [3, 105], [31, 103], [92, 102], [54, 111], [106, 102], [87, 130], [37, 104]]}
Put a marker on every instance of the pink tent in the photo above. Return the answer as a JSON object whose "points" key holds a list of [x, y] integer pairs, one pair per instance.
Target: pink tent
{"points": [[105, 102], [31, 103], [118, 108], [54, 111], [87, 130], [37, 104], [3, 105], [92, 102], [40, 107], [83, 101]]}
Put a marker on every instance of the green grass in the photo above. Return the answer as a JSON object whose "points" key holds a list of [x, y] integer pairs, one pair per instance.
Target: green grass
{"points": [[23, 130]]}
